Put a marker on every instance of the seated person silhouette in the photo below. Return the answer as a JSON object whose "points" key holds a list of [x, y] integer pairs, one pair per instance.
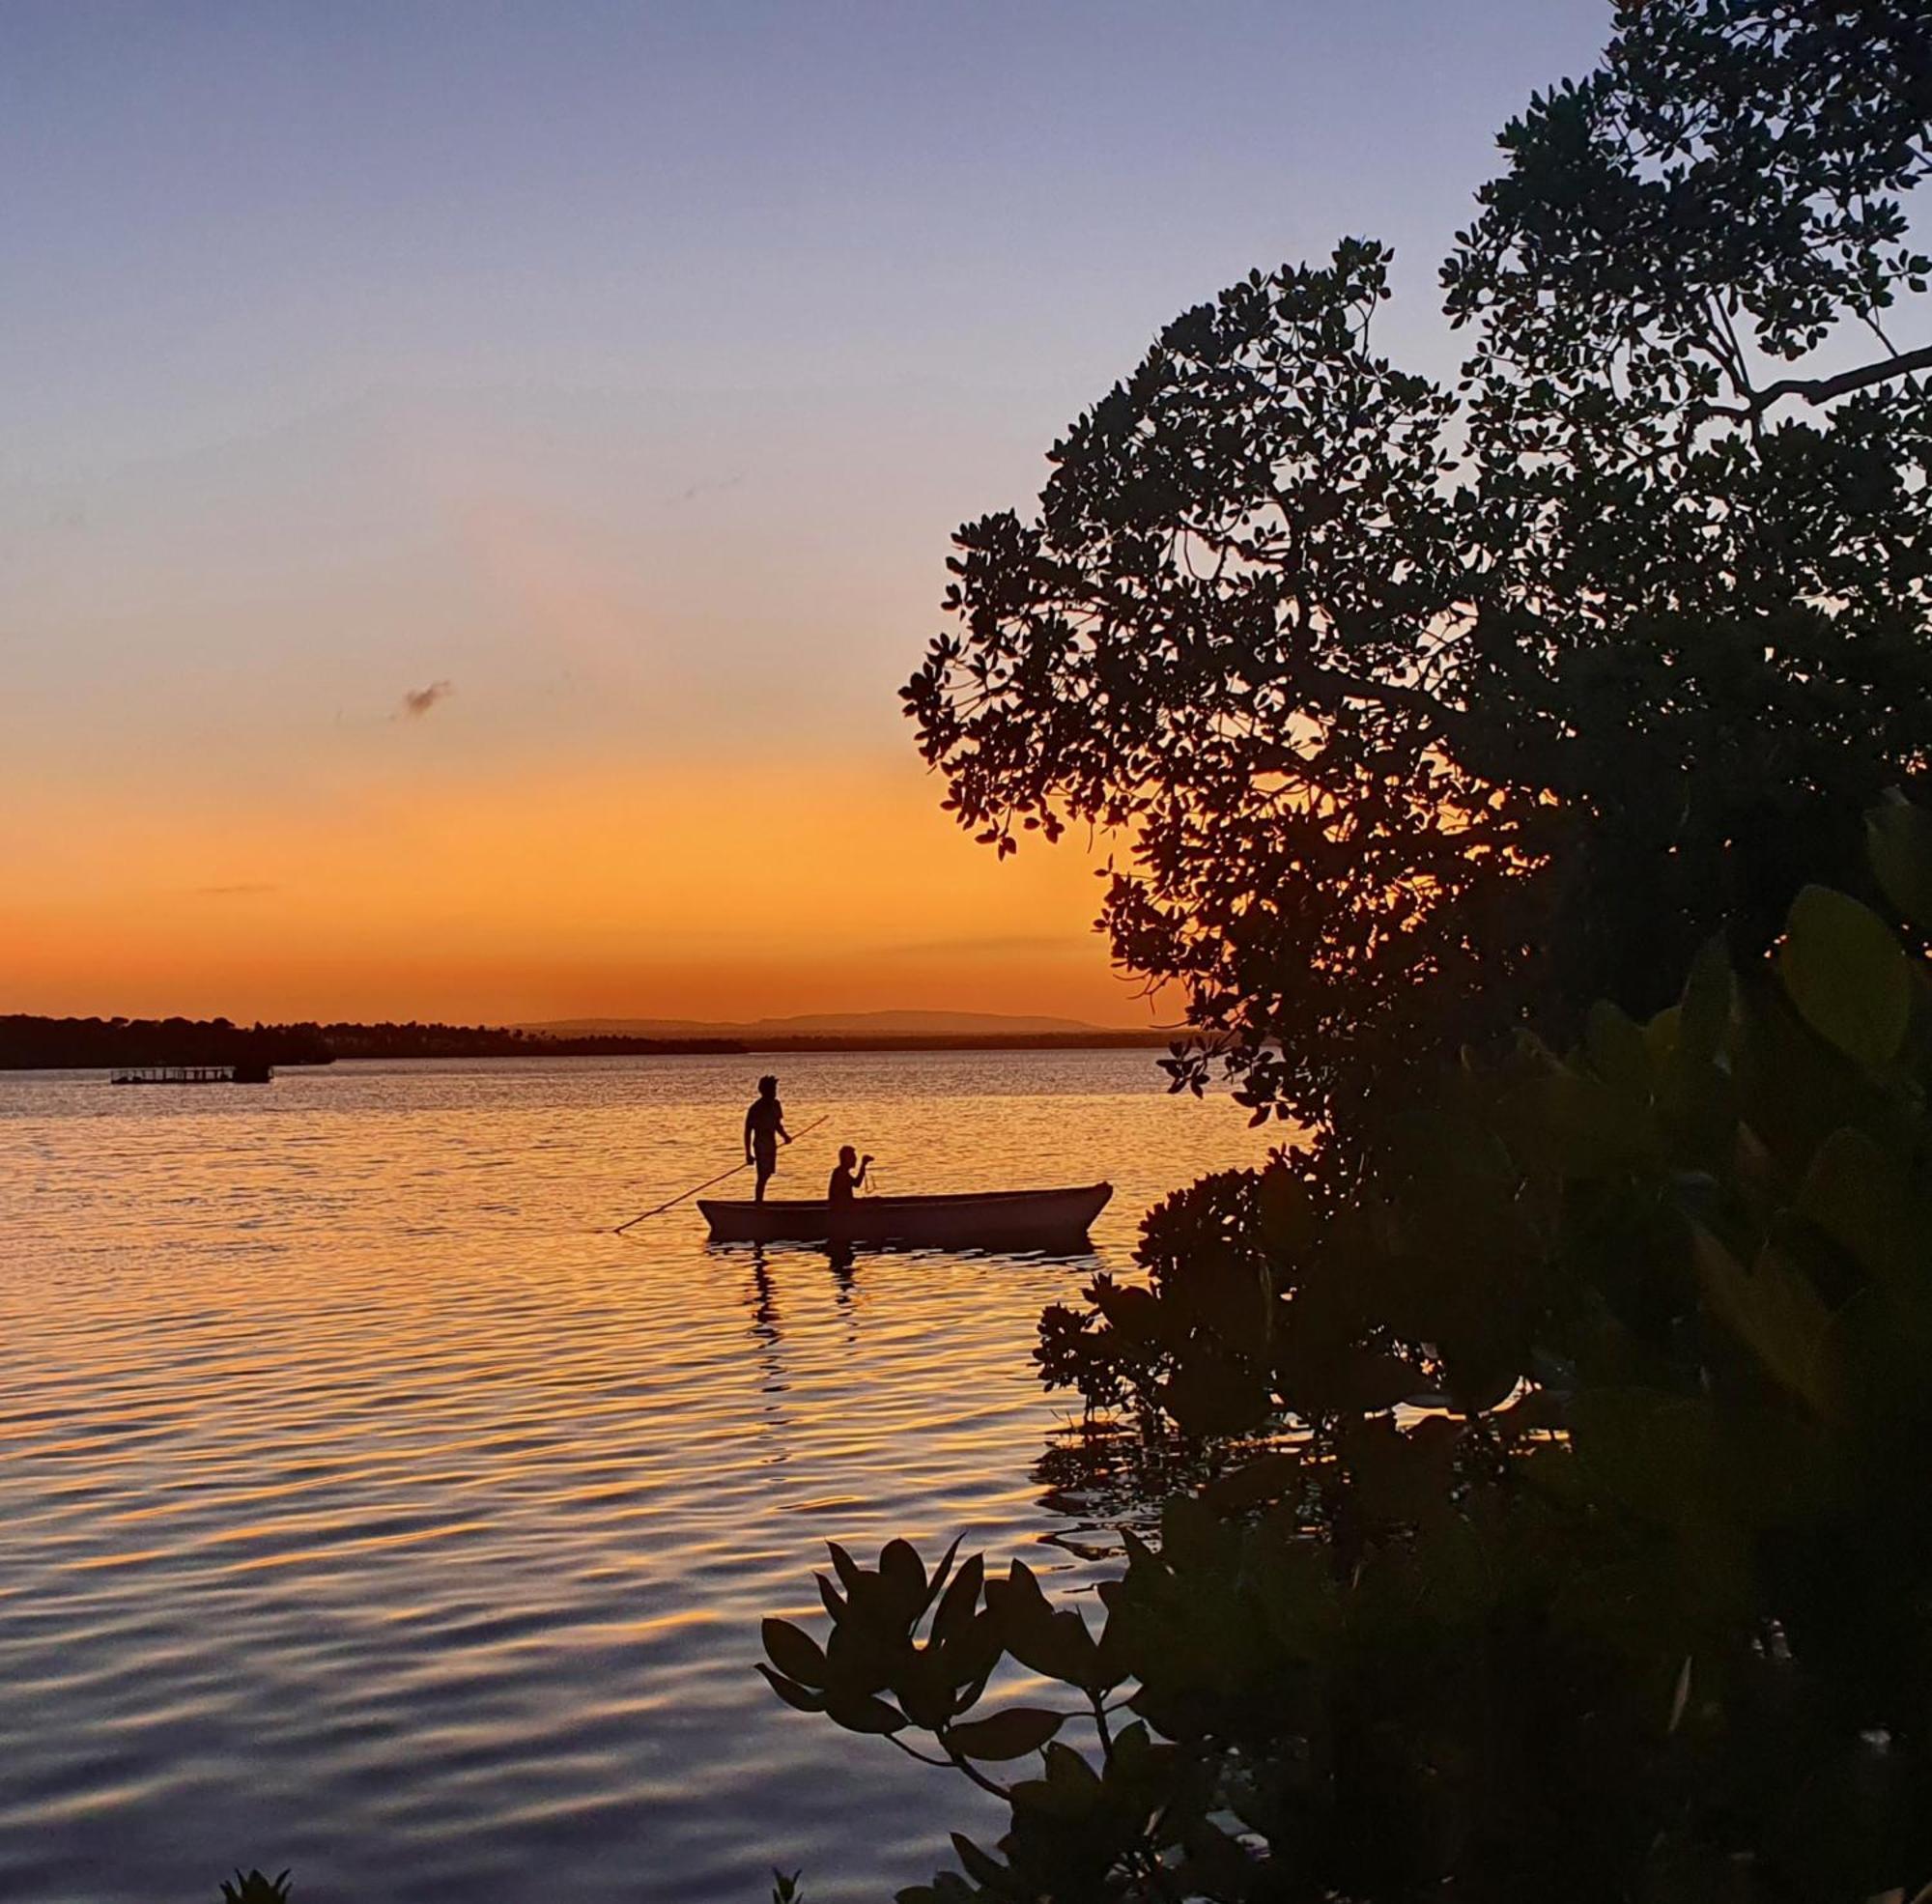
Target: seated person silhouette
{"points": [[846, 1182], [764, 1125]]}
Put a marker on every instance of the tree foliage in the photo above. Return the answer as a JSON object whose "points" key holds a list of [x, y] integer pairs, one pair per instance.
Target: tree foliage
{"points": [[1599, 1572], [1396, 697], [1595, 1563]]}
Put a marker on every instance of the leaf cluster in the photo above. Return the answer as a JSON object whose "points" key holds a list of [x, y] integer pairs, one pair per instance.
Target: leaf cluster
{"points": [[911, 1653], [1743, 155], [255, 1888]]}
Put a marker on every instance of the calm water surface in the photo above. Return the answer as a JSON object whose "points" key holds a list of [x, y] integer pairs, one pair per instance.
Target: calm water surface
{"points": [[367, 1507]]}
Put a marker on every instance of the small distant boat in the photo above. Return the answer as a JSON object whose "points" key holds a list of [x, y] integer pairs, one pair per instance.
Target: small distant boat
{"points": [[246, 1072], [990, 1219]]}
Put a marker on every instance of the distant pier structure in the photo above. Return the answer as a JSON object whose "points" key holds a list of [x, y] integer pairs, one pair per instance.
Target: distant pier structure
{"points": [[241, 1073]]}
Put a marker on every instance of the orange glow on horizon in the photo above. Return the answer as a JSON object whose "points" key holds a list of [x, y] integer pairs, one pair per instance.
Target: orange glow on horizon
{"points": [[682, 890]]}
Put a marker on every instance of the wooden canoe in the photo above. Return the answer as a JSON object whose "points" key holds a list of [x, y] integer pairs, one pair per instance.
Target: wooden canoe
{"points": [[996, 1220]]}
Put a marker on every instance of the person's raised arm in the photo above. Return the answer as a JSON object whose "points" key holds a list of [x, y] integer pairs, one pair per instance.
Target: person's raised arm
{"points": [[858, 1181]]}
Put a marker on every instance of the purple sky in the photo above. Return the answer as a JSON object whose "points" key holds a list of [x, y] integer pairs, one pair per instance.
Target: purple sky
{"points": [[623, 367]]}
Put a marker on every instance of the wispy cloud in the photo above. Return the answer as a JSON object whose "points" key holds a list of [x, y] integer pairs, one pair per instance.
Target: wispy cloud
{"points": [[419, 701], [246, 890]]}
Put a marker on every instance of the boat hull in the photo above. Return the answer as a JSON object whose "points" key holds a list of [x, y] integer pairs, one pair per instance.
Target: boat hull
{"points": [[1012, 1219]]}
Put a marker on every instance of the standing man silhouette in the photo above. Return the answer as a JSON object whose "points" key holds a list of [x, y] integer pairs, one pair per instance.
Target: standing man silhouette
{"points": [[764, 1125]]}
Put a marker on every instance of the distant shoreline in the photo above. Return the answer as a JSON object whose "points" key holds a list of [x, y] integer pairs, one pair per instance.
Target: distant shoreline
{"points": [[62, 1044]]}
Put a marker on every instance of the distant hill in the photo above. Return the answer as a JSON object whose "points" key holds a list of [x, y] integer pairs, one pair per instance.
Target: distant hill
{"points": [[896, 1024]]}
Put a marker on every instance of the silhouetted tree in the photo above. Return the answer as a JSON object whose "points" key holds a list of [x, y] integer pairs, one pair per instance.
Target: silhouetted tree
{"points": [[1420, 712], [1598, 1566]]}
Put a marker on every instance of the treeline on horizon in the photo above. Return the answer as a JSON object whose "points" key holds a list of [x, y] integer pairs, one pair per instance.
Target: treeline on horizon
{"points": [[32, 1043], [29, 1043]]}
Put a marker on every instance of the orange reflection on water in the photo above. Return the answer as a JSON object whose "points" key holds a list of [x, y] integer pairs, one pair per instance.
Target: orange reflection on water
{"points": [[386, 1511]]}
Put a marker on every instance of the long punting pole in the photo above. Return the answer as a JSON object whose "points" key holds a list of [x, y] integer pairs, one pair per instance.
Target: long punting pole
{"points": [[698, 1189]]}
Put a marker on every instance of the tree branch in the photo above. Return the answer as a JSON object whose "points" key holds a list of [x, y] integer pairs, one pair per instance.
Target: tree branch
{"points": [[1301, 677], [1822, 389], [955, 1762]]}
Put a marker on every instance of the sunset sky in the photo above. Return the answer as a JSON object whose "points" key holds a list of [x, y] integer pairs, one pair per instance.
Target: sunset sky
{"points": [[472, 477]]}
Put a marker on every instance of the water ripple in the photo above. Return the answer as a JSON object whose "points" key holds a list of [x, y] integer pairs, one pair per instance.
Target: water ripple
{"points": [[372, 1508]]}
